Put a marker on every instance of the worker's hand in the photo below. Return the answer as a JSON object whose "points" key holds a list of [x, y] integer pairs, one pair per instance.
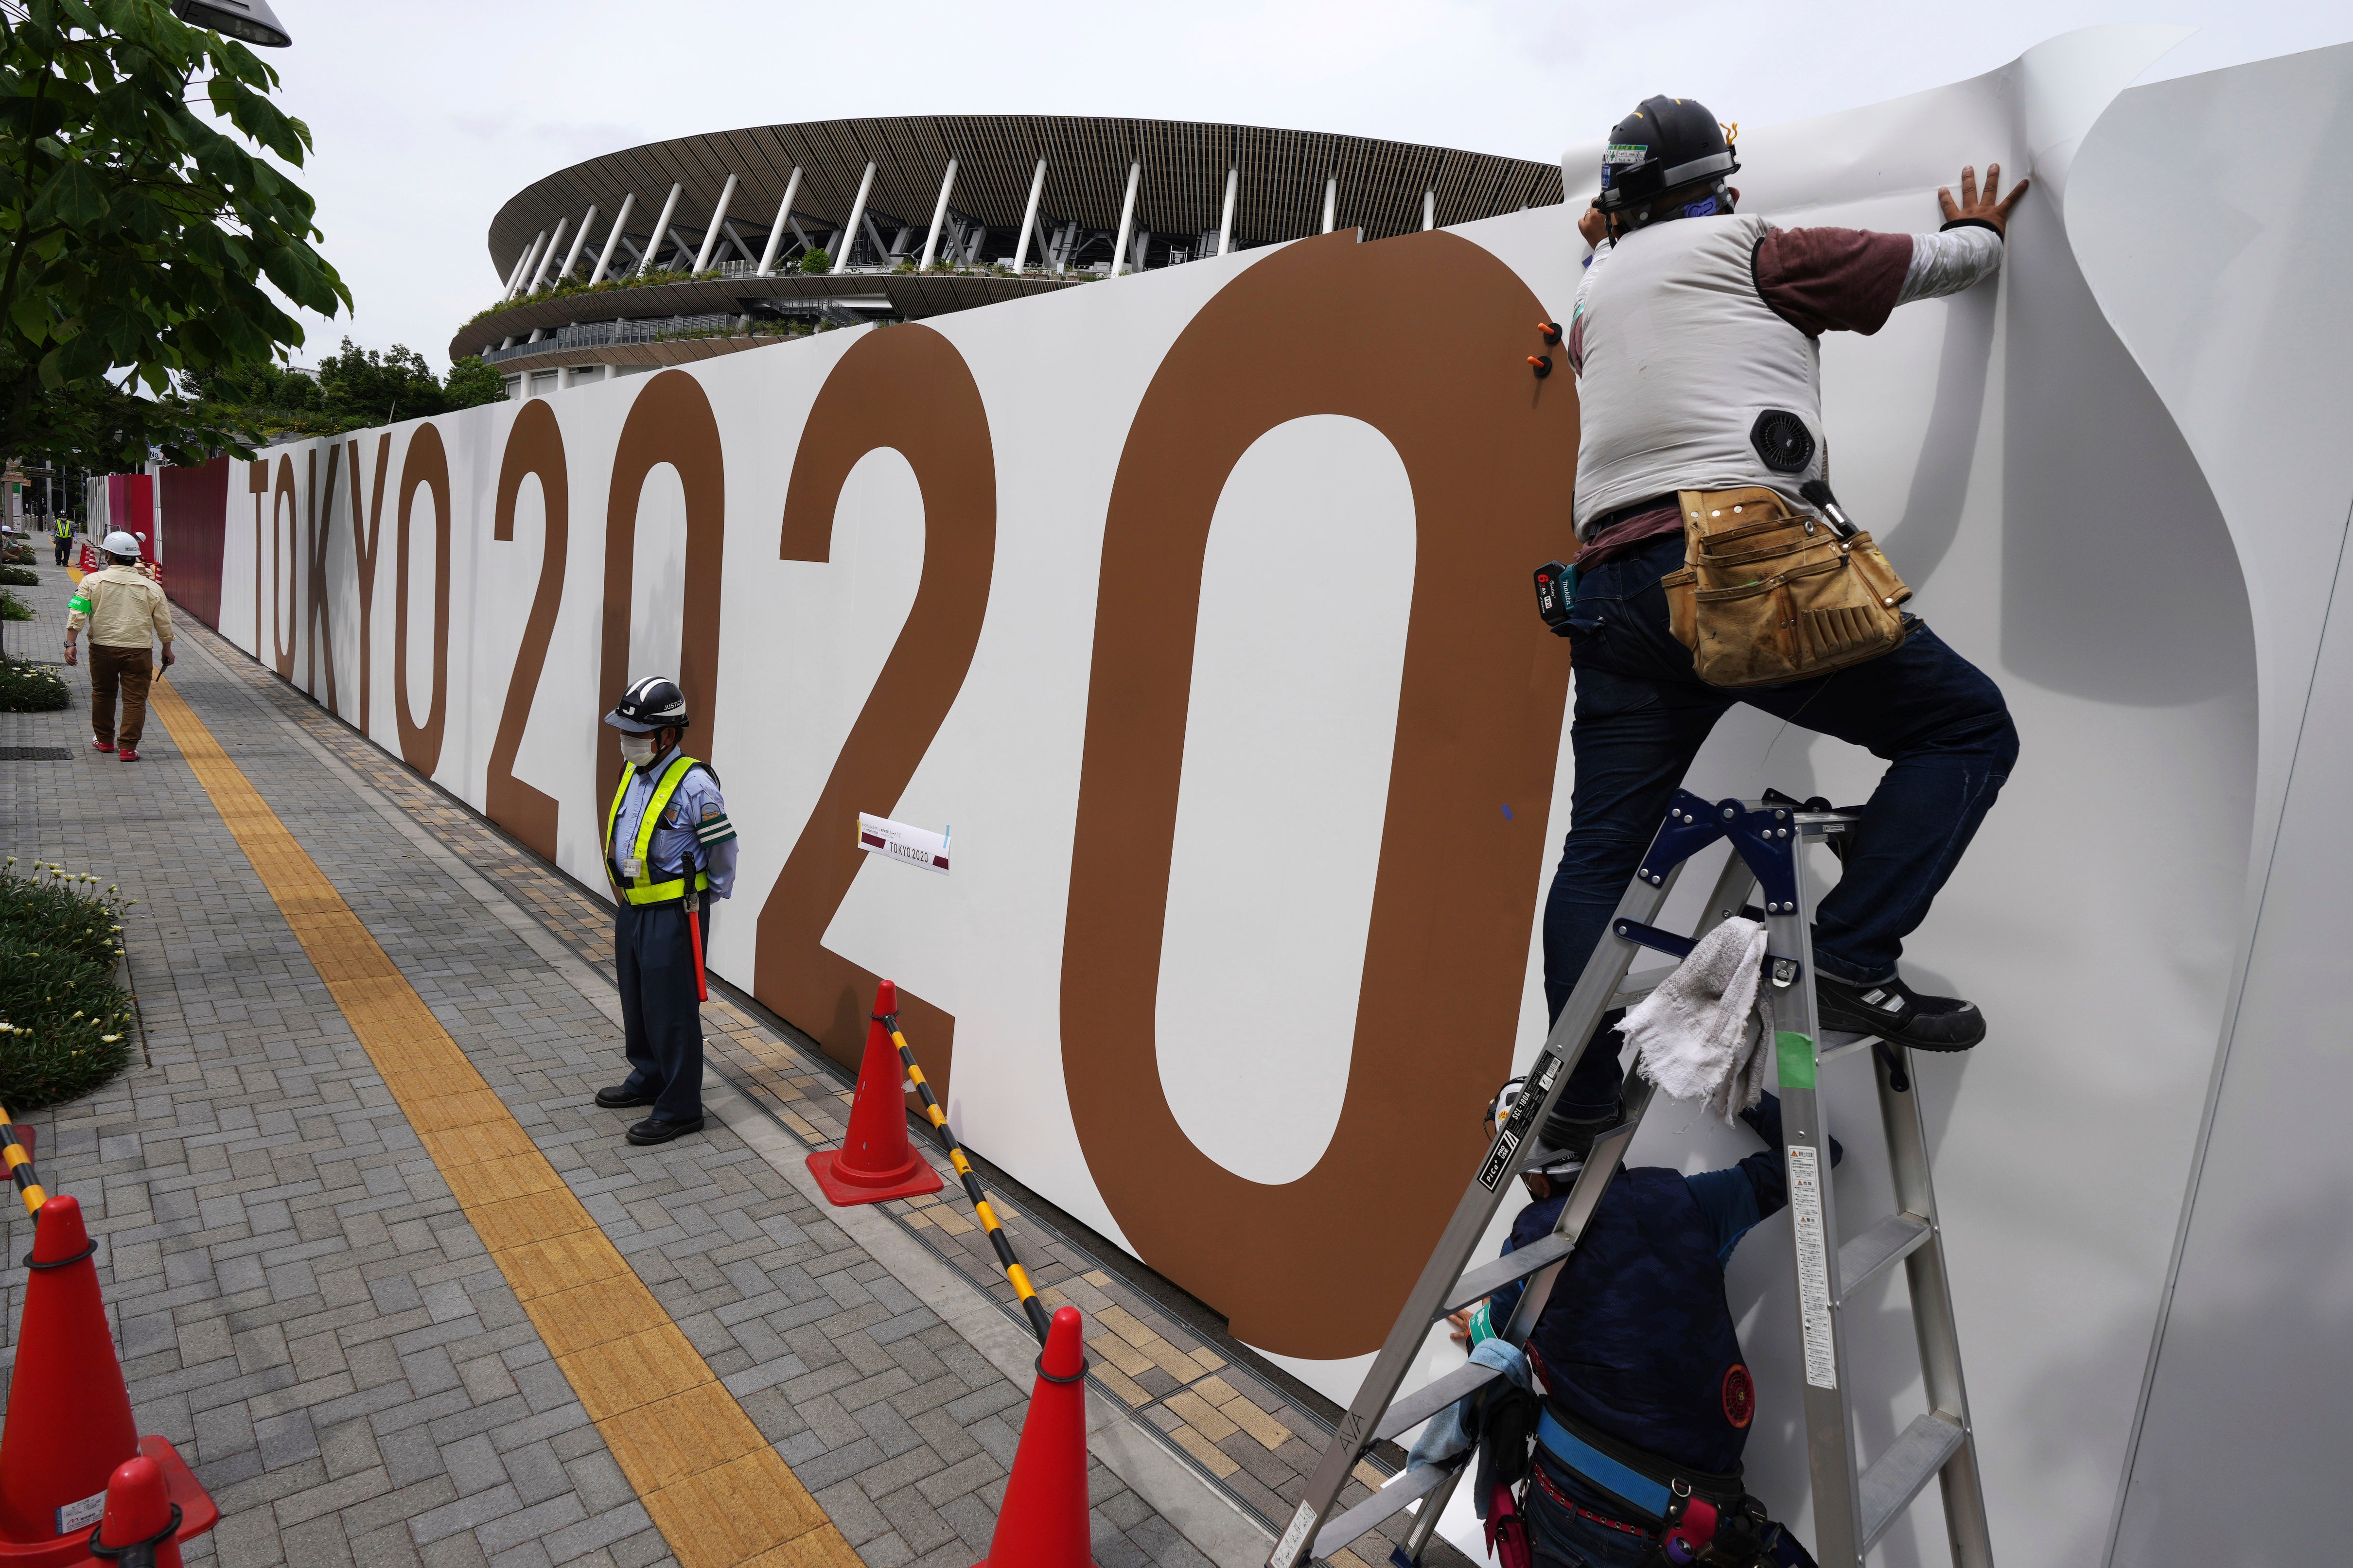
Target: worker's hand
{"points": [[1593, 224], [169, 659], [72, 654], [1458, 1324], [1986, 211]]}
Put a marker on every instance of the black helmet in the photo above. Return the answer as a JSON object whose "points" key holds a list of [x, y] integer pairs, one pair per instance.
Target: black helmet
{"points": [[649, 704], [1666, 145]]}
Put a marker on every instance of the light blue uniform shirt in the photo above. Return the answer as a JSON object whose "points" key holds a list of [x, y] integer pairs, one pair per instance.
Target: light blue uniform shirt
{"points": [[694, 832]]}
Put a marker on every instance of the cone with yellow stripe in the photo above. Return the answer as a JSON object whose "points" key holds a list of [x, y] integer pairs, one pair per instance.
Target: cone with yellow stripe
{"points": [[876, 1161]]}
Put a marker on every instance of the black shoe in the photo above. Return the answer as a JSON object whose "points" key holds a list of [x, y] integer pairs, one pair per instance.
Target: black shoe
{"points": [[621, 1096], [1897, 1014], [654, 1130], [1575, 1136]]}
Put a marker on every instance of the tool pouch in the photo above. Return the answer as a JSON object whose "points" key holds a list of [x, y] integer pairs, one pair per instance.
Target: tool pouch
{"points": [[1768, 595]]}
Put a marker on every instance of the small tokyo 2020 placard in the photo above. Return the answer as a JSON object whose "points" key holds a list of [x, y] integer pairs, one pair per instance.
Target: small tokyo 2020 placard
{"points": [[898, 841]]}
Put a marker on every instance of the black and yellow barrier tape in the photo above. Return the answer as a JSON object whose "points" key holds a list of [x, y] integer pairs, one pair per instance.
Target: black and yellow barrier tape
{"points": [[1040, 1318], [20, 1166]]}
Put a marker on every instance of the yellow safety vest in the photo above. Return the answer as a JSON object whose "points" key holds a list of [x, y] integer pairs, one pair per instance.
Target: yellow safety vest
{"points": [[642, 888]]}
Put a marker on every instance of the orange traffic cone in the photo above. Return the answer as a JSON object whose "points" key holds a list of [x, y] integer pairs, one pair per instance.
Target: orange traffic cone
{"points": [[140, 1512], [70, 1425], [1044, 1522], [875, 1160]]}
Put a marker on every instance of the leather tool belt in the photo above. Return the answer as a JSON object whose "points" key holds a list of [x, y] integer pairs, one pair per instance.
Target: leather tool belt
{"points": [[1768, 595]]}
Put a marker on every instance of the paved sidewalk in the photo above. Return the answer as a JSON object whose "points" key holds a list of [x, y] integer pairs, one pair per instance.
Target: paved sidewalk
{"points": [[305, 1310]]}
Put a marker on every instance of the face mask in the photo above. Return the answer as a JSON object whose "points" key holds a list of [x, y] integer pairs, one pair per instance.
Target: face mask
{"points": [[638, 750]]}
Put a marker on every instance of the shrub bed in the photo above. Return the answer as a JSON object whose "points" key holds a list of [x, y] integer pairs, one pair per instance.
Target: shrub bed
{"points": [[29, 688], [65, 1025], [20, 576]]}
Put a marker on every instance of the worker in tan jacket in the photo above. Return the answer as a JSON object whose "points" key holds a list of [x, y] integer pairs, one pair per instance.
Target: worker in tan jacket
{"points": [[126, 612]]}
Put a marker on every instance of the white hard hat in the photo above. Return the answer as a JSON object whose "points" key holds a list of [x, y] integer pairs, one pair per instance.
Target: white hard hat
{"points": [[122, 543]]}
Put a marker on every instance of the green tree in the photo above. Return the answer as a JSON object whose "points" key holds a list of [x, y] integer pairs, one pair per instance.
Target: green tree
{"points": [[135, 227], [382, 386], [816, 261], [472, 381]]}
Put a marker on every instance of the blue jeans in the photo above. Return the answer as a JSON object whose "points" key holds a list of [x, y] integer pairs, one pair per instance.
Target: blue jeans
{"points": [[1561, 1538], [1642, 715]]}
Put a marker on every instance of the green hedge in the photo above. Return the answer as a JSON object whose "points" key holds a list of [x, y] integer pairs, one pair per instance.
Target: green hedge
{"points": [[29, 688], [65, 1025], [20, 576]]}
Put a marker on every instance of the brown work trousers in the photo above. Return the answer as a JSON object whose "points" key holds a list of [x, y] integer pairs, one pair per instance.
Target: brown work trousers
{"points": [[132, 669]]}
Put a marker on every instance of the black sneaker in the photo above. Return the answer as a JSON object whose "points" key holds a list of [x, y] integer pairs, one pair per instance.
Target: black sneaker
{"points": [[654, 1130], [620, 1097], [1896, 1013], [1575, 1135]]}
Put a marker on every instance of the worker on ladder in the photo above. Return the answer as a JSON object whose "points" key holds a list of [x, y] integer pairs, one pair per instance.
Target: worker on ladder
{"points": [[1647, 1395], [1696, 341]]}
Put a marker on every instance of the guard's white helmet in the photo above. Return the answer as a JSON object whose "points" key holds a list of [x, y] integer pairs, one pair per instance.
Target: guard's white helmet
{"points": [[122, 543]]}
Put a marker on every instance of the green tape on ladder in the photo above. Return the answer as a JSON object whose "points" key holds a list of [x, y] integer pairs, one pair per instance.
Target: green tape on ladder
{"points": [[1797, 1054]]}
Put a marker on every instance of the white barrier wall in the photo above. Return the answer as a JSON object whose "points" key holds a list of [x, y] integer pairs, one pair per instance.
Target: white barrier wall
{"points": [[1197, 606]]}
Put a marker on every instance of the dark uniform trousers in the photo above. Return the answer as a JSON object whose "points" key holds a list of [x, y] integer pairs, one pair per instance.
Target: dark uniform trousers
{"points": [[662, 1018]]}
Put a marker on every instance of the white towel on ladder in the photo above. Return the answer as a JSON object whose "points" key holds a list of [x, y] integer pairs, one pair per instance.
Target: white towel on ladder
{"points": [[1696, 1036]]}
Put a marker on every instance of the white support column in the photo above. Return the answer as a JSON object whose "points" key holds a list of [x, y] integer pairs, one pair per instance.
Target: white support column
{"points": [[1126, 217], [578, 240], [1331, 201], [530, 261], [514, 274], [1030, 216], [939, 216], [718, 216], [857, 214], [547, 259], [1225, 224], [612, 240], [661, 227], [784, 221], [1429, 211]]}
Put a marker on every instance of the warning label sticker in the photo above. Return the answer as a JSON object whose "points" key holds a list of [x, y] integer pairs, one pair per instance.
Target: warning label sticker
{"points": [[82, 1515], [1294, 1539], [1813, 1265]]}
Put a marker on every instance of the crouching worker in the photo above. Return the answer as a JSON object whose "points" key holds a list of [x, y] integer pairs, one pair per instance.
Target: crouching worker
{"points": [[668, 848], [1646, 1398]]}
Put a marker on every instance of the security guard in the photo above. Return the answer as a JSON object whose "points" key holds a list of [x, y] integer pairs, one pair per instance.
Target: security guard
{"points": [[668, 844], [63, 529]]}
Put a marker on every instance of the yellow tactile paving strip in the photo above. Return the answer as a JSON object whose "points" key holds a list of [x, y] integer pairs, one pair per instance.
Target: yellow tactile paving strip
{"points": [[717, 1490]]}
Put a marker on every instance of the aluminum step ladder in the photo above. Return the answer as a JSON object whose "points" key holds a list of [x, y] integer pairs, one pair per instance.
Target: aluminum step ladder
{"points": [[1855, 1505]]}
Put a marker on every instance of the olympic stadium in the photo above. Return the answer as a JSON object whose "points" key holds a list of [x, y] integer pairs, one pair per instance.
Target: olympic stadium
{"points": [[705, 244]]}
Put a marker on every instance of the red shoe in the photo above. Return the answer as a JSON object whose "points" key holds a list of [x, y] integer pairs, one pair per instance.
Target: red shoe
{"points": [[99, 745], [129, 756]]}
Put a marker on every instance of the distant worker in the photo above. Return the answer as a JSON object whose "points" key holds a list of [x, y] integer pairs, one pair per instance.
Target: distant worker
{"points": [[61, 527], [1696, 341], [126, 612], [668, 844], [1646, 1391]]}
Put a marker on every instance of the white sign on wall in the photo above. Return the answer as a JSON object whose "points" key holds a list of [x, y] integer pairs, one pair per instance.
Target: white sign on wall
{"points": [[898, 841]]}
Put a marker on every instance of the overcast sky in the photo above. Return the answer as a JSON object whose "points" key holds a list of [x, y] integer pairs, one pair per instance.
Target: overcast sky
{"points": [[429, 114]]}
